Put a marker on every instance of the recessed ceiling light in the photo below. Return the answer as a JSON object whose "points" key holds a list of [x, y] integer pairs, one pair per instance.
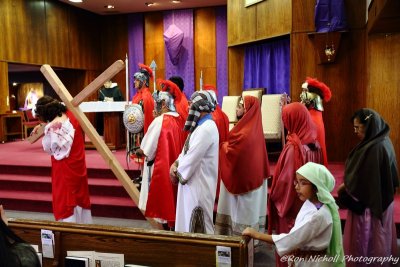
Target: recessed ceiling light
{"points": [[149, 4], [176, 1], [76, 1], [109, 6]]}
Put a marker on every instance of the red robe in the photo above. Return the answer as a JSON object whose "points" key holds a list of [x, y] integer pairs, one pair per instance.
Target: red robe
{"points": [[147, 102], [161, 201], [243, 157], [316, 116], [283, 202], [69, 177], [222, 122]]}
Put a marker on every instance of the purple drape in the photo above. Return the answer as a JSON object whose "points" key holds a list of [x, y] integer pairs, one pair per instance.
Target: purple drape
{"points": [[267, 65], [136, 49], [330, 16], [222, 52], [183, 19]]}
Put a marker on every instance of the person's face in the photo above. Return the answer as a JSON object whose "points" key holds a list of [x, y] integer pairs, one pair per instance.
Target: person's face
{"points": [[137, 84], [240, 110], [304, 188], [107, 84], [359, 128]]}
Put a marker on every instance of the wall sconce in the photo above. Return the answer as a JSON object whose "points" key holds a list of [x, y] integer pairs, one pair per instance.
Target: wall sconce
{"points": [[326, 45]]}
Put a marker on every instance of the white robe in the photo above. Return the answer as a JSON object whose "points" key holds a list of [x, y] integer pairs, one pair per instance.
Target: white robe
{"points": [[312, 231], [199, 169], [241, 211], [149, 146]]}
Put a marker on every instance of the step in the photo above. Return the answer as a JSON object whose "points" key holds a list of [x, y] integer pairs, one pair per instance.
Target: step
{"points": [[104, 206]]}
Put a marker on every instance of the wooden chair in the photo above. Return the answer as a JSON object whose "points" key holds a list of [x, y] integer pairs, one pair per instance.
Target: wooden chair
{"points": [[229, 104], [29, 122], [271, 113]]}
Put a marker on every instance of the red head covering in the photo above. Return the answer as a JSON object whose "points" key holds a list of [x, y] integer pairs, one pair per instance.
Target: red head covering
{"points": [[283, 203], [243, 158], [297, 121], [325, 92]]}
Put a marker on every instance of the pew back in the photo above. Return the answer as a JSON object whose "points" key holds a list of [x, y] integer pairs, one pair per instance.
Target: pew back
{"points": [[140, 246]]}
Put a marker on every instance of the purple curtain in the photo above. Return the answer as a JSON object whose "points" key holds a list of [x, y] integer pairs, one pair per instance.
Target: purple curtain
{"points": [[136, 49], [267, 65], [222, 52], [183, 19]]}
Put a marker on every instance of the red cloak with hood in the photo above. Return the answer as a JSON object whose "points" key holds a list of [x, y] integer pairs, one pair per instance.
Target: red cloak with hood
{"points": [[243, 157]]}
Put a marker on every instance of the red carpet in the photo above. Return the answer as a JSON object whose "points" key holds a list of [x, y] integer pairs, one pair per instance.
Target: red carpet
{"points": [[25, 182]]}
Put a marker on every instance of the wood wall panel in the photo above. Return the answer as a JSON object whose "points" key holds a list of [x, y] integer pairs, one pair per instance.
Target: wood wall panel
{"points": [[154, 48], [59, 54], [205, 46], [384, 81], [4, 87], [303, 16], [345, 78], [356, 12], [22, 22], [241, 22], [114, 39], [274, 18], [235, 70], [84, 39]]}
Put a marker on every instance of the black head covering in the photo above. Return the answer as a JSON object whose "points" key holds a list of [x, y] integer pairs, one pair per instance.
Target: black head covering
{"points": [[371, 173]]}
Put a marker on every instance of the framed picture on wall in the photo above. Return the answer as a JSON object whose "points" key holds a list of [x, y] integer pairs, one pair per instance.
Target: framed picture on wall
{"points": [[248, 3]]}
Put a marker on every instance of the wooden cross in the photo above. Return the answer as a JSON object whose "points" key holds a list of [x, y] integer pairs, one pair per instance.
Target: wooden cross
{"points": [[73, 105]]}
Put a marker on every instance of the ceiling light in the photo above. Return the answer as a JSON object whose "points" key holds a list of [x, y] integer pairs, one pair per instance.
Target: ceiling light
{"points": [[176, 1], [149, 4], [76, 1], [109, 6]]}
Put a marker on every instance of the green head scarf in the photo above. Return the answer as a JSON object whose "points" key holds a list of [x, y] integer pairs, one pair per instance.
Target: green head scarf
{"points": [[321, 177]]}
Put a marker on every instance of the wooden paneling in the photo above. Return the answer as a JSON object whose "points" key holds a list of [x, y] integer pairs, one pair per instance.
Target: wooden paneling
{"points": [[303, 16], [384, 16], [4, 87], [22, 31], [84, 39], [205, 45], [274, 18], [115, 45], [384, 81], [241, 22], [257, 22], [59, 54], [235, 70], [356, 13], [154, 48], [345, 78]]}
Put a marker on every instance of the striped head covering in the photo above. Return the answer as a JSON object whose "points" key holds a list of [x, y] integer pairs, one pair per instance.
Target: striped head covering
{"points": [[202, 101]]}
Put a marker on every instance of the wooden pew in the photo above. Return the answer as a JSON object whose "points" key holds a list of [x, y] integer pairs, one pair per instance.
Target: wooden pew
{"points": [[140, 246]]}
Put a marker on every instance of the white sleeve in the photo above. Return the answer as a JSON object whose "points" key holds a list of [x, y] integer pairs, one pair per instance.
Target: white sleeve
{"points": [[58, 139], [150, 140], [199, 143], [301, 236]]}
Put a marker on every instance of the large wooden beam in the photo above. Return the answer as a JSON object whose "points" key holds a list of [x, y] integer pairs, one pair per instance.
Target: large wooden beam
{"points": [[91, 132]]}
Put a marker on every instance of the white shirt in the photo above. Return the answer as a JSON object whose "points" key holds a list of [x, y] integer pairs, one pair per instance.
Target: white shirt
{"points": [[58, 138], [312, 231]]}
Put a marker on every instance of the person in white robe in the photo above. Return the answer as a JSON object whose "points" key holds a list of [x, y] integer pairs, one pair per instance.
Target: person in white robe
{"points": [[316, 238], [196, 168]]}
